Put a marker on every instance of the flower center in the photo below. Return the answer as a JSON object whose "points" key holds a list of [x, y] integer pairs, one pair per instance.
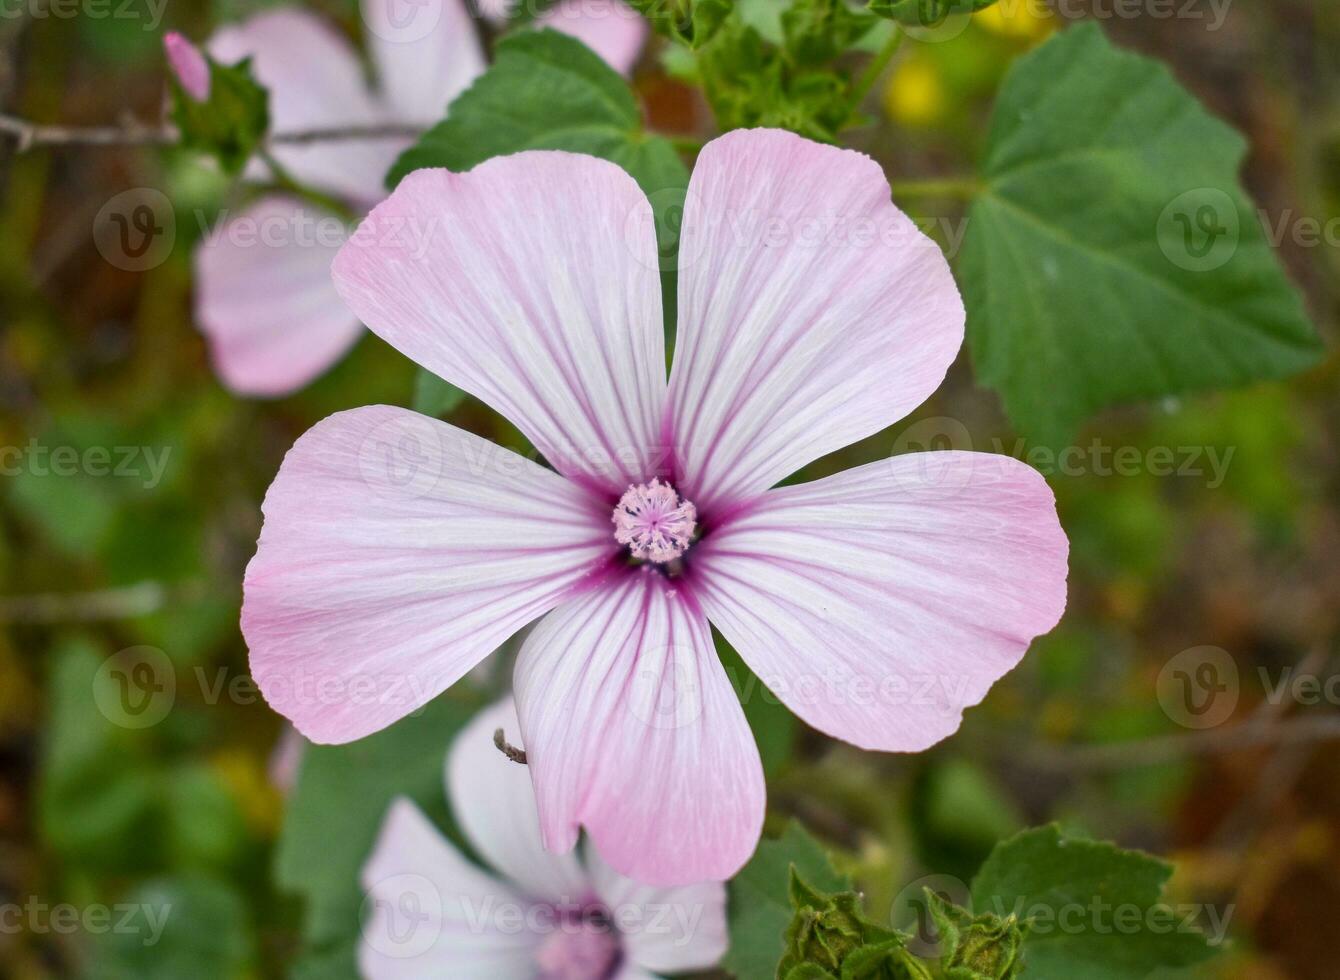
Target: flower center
{"points": [[654, 522], [579, 950]]}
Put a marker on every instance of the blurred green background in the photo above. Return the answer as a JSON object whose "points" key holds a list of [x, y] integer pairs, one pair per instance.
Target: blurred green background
{"points": [[1237, 548]]}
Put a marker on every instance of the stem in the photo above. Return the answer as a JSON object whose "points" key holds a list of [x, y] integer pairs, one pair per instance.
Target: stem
{"points": [[126, 602], [875, 69], [286, 180], [29, 135], [959, 187]]}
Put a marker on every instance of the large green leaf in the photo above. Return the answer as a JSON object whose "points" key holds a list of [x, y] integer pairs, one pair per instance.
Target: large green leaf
{"points": [[760, 900], [546, 91], [1112, 255], [1094, 910]]}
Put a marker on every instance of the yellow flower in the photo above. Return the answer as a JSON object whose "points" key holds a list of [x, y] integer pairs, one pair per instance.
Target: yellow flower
{"points": [[1028, 20], [915, 93]]}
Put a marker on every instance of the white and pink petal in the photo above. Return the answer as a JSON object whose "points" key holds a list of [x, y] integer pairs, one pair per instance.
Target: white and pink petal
{"points": [[610, 28], [812, 313], [494, 803], [431, 913], [634, 732], [264, 299], [425, 54], [531, 282], [397, 552], [664, 930], [880, 603]]}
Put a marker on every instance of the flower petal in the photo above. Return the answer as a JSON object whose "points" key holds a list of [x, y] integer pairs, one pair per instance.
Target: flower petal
{"points": [[494, 802], [881, 602], [397, 552], [425, 59], [812, 312], [264, 298], [611, 29], [664, 930], [188, 65], [633, 730], [530, 282], [315, 80], [433, 913]]}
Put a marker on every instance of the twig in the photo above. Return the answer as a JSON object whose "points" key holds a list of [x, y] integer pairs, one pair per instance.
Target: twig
{"points": [[511, 751], [874, 70], [1161, 749], [29, 135], [123, 603]]}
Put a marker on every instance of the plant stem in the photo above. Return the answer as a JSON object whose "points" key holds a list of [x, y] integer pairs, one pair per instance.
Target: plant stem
{"points": [[874, 70]]}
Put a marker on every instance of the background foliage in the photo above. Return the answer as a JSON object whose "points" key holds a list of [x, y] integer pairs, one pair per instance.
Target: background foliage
{"points": [[1181, 401]]}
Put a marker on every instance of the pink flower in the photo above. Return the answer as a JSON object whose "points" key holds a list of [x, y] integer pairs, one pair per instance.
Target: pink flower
{"points": [[398, 551], [263, 294], [188, 65], [546, 916]]}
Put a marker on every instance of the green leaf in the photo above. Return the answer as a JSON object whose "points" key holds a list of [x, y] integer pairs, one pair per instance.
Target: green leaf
{"points": [[231, 123], [97, 798], [433, 396], [338, 804], [1093, 910], [546, 90], [925, 13], [205, 827], [692, 22], [817, 31], [760, 900], [189, 926], [826, 929], [1112, 254]]}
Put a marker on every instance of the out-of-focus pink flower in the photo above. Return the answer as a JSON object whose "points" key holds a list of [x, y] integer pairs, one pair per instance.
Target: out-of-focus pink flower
{"points": [[544, 916], [286, 760], [188, 65], [398, 551], [263, 293], [610, 28]]}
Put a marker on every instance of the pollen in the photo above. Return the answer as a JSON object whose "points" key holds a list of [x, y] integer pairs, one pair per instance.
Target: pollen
{"points": [[654, 522]]}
